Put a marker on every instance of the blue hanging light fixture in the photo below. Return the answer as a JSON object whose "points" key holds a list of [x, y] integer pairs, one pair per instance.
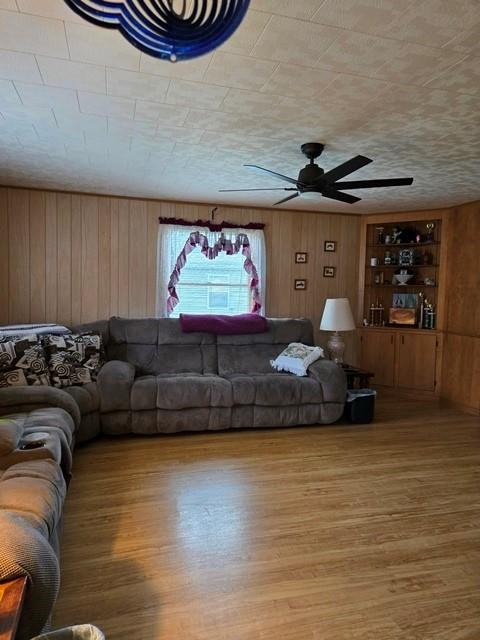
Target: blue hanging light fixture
{"points": [[160, 30]]}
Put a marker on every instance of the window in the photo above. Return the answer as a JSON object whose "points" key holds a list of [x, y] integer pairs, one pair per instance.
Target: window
{"points": [[218, 291], [221, 285]]}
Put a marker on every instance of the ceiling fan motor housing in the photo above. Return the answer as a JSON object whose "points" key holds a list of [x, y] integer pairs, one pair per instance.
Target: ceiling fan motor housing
{"points": [[308, 176]]}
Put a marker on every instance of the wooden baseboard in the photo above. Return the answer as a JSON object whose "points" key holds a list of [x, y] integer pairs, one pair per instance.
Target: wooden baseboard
{"points": [[12, 594], [411, 394], [464, 408]]}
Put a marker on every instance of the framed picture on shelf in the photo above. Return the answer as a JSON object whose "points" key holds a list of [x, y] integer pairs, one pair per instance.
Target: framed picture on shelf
{"points": [[402, 316], [330, 246], [301, 257], [300, 285], [329, 272]]}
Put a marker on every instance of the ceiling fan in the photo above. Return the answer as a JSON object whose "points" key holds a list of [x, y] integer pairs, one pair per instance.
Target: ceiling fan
{"points": [[313, 180]]}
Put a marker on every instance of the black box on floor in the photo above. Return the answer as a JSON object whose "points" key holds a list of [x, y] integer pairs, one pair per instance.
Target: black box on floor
{"points": [[360, 405]]}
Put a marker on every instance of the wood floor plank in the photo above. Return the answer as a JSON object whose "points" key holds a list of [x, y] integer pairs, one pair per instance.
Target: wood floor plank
{"points": [[333, 533]]}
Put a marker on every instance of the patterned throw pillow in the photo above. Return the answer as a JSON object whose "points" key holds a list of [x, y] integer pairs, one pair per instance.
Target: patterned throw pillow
{"points": [[73, 359], [296, 358], [22, 361]]}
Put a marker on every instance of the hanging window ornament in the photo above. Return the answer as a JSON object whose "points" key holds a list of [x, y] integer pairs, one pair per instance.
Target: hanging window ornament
{"points": [[167, 29]]}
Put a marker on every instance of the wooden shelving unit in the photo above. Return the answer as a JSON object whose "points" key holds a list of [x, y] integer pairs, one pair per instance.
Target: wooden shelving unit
{"points": [[379, 280], [405, 358]]}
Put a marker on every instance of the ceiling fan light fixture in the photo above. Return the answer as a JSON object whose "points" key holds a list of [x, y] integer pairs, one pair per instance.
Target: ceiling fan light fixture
{"points": [[167, 29], [310, 195]]}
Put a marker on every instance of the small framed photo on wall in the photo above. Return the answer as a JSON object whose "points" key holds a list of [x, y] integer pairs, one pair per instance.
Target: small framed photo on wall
{"points": [[301, 257], [329, 272], [300, 285], [330, 246]]}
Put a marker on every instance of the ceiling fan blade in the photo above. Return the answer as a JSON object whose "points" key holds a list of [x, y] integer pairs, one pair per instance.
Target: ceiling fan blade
{"points": [[342, 197], [279, 176], [295, 195], [268, 189], [344, 169], [370, 184]]}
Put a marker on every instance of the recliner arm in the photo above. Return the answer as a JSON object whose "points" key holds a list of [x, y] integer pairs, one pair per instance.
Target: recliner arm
{"points": [[25, 399], [331, 378], [114, 382]]}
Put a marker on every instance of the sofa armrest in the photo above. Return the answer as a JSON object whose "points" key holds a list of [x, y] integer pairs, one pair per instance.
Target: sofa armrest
{"points": [[25, 553], [114, 382], [331, 378], [24, 399], [48, 448]]}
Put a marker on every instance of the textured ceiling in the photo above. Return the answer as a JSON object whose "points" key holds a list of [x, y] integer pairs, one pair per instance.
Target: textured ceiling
{"points": [[396, 80]]}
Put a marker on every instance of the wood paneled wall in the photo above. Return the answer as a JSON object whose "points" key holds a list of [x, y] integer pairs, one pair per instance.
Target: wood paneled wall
{"points": [[73, 258], [461, 359]]}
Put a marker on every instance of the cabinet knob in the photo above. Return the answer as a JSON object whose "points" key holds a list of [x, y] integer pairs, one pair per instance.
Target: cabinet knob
{"points": [[403, 339]]}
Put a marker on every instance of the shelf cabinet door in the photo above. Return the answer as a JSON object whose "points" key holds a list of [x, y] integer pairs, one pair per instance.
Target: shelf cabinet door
{"points": [[377, 354], [416, 361]]}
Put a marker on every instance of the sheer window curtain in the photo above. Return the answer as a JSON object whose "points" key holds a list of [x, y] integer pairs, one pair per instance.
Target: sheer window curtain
{"points": [[171, 240]]}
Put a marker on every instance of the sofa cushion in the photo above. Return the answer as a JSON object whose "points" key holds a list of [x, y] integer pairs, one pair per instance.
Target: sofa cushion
{"points": [[274, 390], [86, 396], [22, 361], [157, 346], [36, 489], [180, 391], [252, 353], [73, 359]]}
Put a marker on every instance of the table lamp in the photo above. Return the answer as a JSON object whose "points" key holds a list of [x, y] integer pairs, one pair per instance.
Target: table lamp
{"points": [[337, 316]]}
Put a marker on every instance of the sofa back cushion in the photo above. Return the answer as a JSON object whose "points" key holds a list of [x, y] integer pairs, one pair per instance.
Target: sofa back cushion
{"points": [[252, 353], [158, 345]]}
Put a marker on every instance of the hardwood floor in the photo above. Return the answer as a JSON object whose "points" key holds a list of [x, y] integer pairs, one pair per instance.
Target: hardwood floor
{"points": [[321, 533]]}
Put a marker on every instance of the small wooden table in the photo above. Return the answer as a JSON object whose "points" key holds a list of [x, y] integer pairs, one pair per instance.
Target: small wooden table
{"points": [[357, 378], [12, 594]]}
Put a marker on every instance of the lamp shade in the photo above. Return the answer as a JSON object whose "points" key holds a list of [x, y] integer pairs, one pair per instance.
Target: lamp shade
{"points": [[337, 315]]}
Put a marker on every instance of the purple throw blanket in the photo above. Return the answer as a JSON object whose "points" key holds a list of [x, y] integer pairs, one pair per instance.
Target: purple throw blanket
{"points": [[223, 325]]}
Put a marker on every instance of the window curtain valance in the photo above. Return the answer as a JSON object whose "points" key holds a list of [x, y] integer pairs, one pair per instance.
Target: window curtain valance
{"points": [[210, 224], [212, 238]]}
